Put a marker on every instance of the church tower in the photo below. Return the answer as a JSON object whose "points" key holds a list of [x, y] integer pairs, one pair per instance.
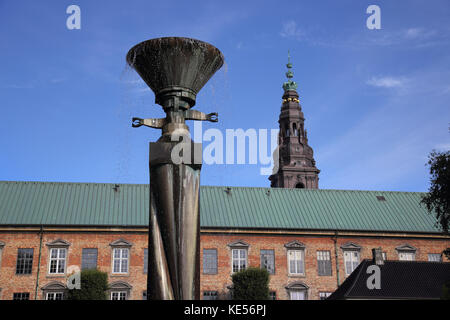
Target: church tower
{"points": [[297, 168]]}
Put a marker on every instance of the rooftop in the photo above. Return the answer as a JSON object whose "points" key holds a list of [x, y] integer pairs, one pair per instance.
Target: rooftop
{"points": [[398, 280], [106, 204]]}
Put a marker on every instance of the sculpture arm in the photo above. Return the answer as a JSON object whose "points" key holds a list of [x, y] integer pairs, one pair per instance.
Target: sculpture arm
{"points": [[152, 123], [198, 115]]}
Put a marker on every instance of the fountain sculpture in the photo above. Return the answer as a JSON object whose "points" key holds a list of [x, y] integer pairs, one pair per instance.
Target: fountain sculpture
{"points": [[175, 69]]}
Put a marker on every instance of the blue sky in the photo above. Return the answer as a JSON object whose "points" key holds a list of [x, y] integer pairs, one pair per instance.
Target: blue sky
{"points": [[376, 102]]}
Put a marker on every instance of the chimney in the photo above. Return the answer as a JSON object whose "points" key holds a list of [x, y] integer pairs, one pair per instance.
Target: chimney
{"points": [[377, 256]]}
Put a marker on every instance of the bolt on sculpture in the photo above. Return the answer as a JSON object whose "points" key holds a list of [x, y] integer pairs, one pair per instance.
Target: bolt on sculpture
{"points": [[175, 69]]}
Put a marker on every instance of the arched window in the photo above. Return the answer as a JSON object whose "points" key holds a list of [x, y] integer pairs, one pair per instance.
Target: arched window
{"points": [[294, 126], [300, 185], [54, 291], [297, 291], [119, 290]]}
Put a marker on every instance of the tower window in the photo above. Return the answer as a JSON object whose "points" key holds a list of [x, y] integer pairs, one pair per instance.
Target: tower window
{"points": [[300, 185], [381, 198]]}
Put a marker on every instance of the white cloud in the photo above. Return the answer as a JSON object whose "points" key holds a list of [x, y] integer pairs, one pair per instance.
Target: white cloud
{"points": [[386, 82], [18, 86], [291, 30], [418, 33]]}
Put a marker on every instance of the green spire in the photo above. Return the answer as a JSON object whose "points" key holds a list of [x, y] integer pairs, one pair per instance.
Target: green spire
{"points": [[289, 85]]}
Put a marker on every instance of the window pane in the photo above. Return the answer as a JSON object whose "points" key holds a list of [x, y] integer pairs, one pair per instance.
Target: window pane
{"points": [[324, 263], [348, 267], [124, 268], [24, 261], [297, 295], [53, 266], [324, 295], [145, 260], [239, 259], [21, 296], [434, 257], [116, 267], [210, 261], [61, 266], [296, 263], [268, 260], [89, 258], [210, 295]]}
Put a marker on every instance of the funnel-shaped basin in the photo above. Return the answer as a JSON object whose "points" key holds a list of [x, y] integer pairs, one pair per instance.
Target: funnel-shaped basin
{"points": [[165, 63]]}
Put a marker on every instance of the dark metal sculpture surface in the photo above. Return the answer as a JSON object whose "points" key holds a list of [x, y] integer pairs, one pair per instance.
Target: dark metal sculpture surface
{"points": [[175, 69]]}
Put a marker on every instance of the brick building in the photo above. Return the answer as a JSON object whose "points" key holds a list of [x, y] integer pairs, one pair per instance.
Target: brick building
{"points": [[309, 239]]}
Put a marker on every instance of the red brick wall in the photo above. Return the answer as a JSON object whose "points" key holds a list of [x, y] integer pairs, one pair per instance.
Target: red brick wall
{"points": [[10, 282], [316, 283]]}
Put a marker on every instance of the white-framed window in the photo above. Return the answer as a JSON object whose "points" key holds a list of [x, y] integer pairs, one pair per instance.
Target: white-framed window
{"points": [[238, 259], [434, 257], [324, 295], [296, 262], [324, 263], [406, 252], [120, 260], [118, 295], [297, 294], [406, 255], [297, 291], [57, 263], [351, 261], [54, 296]]}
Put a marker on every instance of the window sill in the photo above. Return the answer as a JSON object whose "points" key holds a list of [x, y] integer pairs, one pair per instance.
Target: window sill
{"points": [[296, 275], [49, 275]]}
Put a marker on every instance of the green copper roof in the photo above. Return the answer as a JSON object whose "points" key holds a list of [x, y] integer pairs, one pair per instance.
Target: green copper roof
{"points": [[104, 204]]}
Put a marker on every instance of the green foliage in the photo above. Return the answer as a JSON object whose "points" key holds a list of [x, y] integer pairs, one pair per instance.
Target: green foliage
{"points": [[251, 284], [94, 284], [446, 253], [438, 198]]}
